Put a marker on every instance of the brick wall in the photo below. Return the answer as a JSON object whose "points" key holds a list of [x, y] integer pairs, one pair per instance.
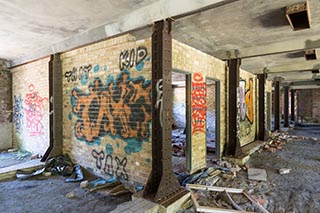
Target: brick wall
{"points": [[309, 105], [201, 66], [107, 107], [5, 106], [30, 83]]}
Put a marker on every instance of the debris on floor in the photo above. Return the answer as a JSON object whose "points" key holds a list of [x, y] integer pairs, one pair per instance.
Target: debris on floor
{"points": [[265, 185], [60, 165], [257, 174], [284, 171]]}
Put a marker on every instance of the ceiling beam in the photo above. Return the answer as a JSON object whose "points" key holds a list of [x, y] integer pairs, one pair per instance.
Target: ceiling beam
{"points": [[297, 44], [292, 67], [310, 82]]}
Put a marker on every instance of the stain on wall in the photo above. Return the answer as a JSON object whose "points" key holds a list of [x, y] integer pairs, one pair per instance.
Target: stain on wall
{"points": [[5, 106], [18, 112]]}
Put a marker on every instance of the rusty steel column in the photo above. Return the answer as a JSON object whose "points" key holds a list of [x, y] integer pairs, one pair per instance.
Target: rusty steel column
{"points": [[162, 186], [233, 145], [261, 96], [55, 108], [292, 105], [286, 105], [276, 104]]}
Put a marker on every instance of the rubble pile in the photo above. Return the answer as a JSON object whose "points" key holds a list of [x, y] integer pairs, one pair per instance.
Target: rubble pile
{"points": [[278, 139]]}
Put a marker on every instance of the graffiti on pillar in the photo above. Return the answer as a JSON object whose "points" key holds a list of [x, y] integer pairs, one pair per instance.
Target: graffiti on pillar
{"points": [[242, 100], [18, 112], [246, 100], [111, 165], [198, 103], [159, 103], [121, 108], [34, 111], [133, 57], [81, 73]]}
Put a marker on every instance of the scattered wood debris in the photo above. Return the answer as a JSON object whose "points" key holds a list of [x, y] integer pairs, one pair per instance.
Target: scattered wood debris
{"points": [[201, 208]]}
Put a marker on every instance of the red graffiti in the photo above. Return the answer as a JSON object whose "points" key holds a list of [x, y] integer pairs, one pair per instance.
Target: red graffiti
{"points": [[35, 107], [198, 105]]}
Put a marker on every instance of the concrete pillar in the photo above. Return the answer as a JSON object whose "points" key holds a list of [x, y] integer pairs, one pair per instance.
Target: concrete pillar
{"points": [[292, 105], [233, 144], [56, 107], [276, 104], [5, 106], [261, 96], [286, 106]]}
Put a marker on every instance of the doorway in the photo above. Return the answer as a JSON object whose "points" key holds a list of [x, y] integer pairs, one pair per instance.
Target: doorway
{"points": [[212, 118], [180, 135]]}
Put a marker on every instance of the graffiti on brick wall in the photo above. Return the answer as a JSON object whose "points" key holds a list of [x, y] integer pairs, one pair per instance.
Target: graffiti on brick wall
{"points": [[111, 165], [121, 109], [198, 103], [18, 113], [34, 111], [133, 57], [246, 100], [81, 73]]}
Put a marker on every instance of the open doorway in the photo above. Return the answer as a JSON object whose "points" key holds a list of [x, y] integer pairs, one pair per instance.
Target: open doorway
{"points": [[212, 116], [180, 124]]}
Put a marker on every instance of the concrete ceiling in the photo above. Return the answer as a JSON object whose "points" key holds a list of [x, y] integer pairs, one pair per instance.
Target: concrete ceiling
{"points": [[253, 25], [28, 25], [30, 29]]}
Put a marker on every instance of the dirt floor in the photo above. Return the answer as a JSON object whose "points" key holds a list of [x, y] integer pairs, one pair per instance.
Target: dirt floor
{"points": [[48, 194]]}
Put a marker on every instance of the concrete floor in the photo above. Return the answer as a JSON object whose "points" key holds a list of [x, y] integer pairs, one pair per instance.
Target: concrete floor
{"points": [[298, 191]]}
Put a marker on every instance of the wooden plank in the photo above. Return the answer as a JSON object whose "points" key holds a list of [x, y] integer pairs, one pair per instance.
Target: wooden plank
{"points": [[214, 188], [255, 203], [218, 210], [234, 204], [199, 208]]}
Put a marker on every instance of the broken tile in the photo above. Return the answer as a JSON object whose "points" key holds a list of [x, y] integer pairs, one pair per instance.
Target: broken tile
{"points": [[257, 174]]}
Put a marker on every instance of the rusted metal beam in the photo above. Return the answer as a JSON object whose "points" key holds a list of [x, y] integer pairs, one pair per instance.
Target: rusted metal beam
{"points": [[55, 108], [261, 97], [162, 184], [233, 145], [276, 104], [292, 105], [286, 106]]}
